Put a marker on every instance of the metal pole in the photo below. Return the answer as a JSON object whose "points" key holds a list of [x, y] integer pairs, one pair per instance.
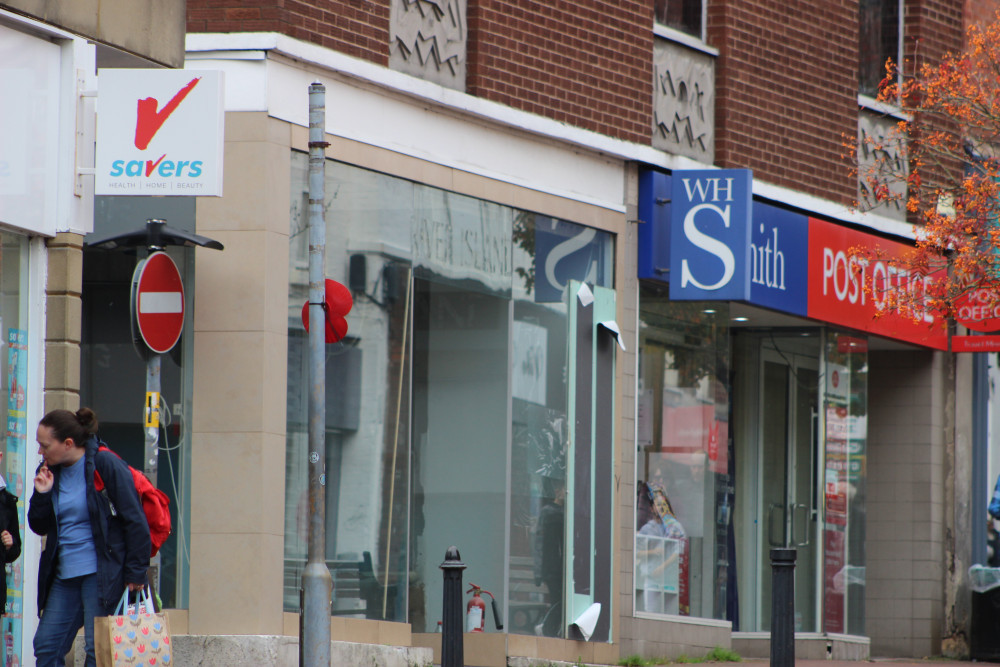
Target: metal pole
{"points": [[151, 416], [152, 427], [151, 419], [783, 607], [317, 586], [452, 651]]}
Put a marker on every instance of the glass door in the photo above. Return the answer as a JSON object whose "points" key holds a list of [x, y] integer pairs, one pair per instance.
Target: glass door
{"points": [[788, 429], [776, 452]]}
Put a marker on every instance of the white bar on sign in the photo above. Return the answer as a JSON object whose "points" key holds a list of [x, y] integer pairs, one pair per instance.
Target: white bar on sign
{"points": [[160, 302]]}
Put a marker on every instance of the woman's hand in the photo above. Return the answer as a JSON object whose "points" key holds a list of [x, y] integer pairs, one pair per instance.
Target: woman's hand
{"points": [[7, 539], [43, 480], [135, 587]]}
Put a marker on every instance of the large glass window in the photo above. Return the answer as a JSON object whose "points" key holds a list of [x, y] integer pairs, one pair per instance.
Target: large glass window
{"points": [[447, 401], [19, 443], [879, 29], [683, 476], [845, 406]]}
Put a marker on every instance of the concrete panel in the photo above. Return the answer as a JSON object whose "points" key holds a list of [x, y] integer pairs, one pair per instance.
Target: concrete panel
{"points": [[236, 583], [240, 381], [234, 485], [62, 367], [245, 287], [153, 29], [62, 317]]}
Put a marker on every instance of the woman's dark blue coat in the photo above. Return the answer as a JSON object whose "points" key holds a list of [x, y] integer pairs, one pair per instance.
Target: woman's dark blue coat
{"points": [[121, 534]]}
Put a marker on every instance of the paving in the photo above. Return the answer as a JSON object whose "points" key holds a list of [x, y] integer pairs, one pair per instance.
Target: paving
{"points": [[879, 662]]}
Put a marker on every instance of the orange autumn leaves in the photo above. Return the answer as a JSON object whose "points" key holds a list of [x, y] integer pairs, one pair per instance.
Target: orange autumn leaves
{"points": [[940, 162]]}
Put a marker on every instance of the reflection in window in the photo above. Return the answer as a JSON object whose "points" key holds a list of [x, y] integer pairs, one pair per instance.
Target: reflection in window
{"points": [[879, 28], [683, 487], [446, 403], [683, 15], [845, 404]]}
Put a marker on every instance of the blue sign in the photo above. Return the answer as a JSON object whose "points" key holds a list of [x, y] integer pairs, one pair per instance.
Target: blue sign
{"points": [[779, 246], [654, 227], [710, 235]]}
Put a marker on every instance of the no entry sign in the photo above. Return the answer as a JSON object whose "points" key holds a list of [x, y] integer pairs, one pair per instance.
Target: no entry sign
{"points": [[158, 302]]}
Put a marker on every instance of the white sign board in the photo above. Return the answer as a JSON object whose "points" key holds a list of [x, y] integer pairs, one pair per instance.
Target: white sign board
{"points": [[159, 132], [29, 131]]}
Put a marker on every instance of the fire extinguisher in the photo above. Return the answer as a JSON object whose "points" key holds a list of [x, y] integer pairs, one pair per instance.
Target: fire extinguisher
{"points": [[475, 611]]}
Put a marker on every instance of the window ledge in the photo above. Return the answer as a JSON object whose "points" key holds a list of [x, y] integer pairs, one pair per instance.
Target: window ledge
{"points": [[689, 620], [684, 39], [875, 105]]}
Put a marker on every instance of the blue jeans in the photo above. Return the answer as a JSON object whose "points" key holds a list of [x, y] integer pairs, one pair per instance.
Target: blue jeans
{"points": [[70, 604]]}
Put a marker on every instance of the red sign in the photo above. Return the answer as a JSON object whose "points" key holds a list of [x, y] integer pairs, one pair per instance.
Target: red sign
{"points": [[833, 580], [159, 302], [979, 310], [851, 290], [975, 343]]}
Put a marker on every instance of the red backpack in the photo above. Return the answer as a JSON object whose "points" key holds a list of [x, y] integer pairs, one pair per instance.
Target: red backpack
{"points": [[155, 504]]}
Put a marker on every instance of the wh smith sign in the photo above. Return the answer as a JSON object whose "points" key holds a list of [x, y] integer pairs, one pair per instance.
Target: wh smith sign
{"points": [[710, 234], [722, 247], [159, 132]]}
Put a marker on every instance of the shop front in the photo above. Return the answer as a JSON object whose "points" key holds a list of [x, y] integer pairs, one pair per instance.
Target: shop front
{"points": [[466, 406], [40, 69], [756, 323]]}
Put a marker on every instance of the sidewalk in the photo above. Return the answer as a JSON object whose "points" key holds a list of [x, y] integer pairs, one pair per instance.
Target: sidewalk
{"points": [[879, 662]]}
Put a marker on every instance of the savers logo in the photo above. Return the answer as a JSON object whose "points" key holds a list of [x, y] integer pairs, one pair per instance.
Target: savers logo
{"points": [[149, 119]]}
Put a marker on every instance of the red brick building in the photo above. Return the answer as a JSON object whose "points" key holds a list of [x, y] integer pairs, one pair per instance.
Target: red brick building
{"points": [[487, 158]]}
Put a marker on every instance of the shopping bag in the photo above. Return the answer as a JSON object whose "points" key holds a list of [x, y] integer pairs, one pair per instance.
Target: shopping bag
{"points": [[134, 636]]}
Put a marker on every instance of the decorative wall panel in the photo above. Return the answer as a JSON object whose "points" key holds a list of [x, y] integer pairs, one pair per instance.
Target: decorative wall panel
{"points": [[683, 101], [874, 142], [428, 39]]}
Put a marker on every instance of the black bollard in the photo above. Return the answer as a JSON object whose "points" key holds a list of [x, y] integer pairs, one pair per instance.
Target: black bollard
{"points": [[452, 652], [782, 607]]}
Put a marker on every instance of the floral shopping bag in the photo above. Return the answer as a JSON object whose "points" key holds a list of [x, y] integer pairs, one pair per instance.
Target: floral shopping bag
{"points": [[135, 636]]}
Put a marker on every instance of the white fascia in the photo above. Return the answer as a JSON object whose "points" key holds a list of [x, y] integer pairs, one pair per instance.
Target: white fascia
{"points": [[243, 53], [73, 198]]}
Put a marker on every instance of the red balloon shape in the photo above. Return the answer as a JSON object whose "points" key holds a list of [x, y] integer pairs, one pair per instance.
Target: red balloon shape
{"points": [[338, 303]]}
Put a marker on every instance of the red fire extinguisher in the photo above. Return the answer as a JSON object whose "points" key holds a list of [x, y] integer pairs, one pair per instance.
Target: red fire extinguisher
{"points": [[475, 611]]}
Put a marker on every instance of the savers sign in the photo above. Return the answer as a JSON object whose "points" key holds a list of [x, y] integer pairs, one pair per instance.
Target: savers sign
{"points": [[159, 132]]}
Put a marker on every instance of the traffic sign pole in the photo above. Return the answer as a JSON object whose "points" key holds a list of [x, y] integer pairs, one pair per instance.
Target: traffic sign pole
{"points": [[151, 426]]}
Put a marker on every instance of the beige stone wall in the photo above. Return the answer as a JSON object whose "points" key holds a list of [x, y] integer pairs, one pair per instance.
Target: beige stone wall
{"points": [[907, 469], [153, 29], [238, 426], [62, 322]]}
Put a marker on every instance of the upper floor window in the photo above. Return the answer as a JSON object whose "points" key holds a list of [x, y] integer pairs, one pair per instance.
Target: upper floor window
{"points": [[880, 27], [683, 15]]}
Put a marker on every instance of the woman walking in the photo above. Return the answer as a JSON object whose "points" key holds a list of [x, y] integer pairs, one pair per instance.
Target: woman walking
{"points": [[96, 542]]}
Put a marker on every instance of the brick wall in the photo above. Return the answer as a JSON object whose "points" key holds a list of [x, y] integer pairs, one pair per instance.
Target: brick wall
{"points": [[787, 91], [931, 29], [981, 11], [359, 29], [587, 63]]}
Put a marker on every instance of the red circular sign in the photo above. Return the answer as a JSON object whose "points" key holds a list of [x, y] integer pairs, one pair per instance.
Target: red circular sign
{"points": [[159, 302]]}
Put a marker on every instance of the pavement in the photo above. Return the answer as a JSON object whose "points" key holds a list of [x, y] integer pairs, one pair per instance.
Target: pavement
{"points": [[878, 662]]}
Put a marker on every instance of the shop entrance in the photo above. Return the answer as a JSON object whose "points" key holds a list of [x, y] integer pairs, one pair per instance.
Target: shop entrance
{"points": [[777, 414]]}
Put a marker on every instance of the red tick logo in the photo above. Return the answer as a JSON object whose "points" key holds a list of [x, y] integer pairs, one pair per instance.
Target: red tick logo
{"points": [[149, 119]]}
